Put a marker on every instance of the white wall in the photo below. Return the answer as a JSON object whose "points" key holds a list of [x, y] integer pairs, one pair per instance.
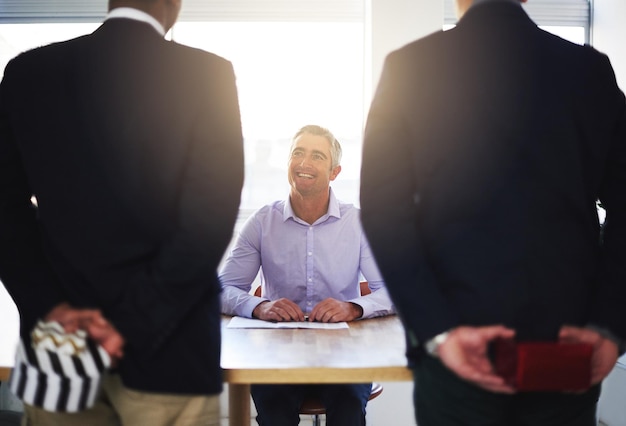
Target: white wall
{"points": [[609, 33], [394, 23], [611, 408]]}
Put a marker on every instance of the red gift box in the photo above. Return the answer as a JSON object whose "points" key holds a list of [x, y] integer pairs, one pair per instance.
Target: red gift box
{"points": [[544, 366]]}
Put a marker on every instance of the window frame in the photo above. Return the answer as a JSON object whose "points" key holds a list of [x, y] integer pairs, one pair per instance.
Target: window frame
{"points": [[70, 11]]}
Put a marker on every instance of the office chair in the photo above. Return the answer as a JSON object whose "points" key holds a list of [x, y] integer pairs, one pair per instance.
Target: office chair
{"points": [[10, 418], [315, 408]]}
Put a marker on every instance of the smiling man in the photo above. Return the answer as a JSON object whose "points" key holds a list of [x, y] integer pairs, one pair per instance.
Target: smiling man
{"points": [[313, 250]]}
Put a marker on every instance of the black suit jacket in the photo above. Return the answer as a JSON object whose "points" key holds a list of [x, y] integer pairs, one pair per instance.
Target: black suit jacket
{"points": [[486, 148], [132, 146]]}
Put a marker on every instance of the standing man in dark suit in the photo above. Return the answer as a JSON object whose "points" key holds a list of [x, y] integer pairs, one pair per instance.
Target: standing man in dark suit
{"points": [[486, 149], [132, 147]]}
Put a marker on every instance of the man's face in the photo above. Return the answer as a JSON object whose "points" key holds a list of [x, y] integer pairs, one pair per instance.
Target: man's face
{"points": [[310, 165]]}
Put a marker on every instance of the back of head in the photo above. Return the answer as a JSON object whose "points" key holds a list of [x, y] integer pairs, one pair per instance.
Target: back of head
{"points": [[164, 11], [137, 4], [463, 5]]}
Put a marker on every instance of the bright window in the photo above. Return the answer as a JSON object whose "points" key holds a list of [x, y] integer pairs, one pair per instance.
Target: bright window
{"points": [[290, 74], [573, 34]]}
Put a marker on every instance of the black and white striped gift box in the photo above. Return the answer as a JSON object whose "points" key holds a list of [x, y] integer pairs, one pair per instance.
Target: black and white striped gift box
{"points": [[58, 382]]}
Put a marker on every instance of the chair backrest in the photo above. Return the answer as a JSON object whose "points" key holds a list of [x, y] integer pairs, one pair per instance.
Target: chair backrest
{"points": [[364, 286]]}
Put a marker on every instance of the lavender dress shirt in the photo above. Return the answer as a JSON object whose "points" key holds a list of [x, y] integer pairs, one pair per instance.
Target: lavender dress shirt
{"points": [[302, 262]]}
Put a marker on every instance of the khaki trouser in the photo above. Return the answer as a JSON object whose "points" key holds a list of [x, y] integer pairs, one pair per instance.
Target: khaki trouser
{"points": [[120, 406]]}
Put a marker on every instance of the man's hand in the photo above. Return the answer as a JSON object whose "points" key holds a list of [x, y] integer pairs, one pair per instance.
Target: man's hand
{"points": [[97, 327], [278, 311], [73, 319], [605, 351], [107, 336], [333, 310], [465, 352]]}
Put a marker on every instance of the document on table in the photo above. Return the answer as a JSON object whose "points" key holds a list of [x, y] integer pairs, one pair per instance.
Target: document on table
{"points": [[240, 322]]}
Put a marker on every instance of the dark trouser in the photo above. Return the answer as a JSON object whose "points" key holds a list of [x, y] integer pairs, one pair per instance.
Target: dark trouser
{"points": [[278, 405], [442, 399]]}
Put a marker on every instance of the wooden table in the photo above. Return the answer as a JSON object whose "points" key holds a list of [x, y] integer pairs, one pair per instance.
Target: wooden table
{"points": [[370, 350], [5, 372]]}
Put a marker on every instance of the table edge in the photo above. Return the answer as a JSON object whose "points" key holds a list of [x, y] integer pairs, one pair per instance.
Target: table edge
{"points": [[318, 375]]}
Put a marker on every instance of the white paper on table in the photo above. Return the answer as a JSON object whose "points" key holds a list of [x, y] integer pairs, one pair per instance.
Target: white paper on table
{"points": [[240, 322]]}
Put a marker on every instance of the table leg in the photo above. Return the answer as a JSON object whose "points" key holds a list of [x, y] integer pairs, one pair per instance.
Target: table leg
{"points": [[238, 405], [5, 373]]}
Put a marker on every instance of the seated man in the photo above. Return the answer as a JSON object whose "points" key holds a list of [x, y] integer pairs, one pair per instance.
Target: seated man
{"points": [[312, 251]]}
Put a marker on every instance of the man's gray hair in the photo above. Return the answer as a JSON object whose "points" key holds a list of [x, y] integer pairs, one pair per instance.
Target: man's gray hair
{"points": [[335, 146]]}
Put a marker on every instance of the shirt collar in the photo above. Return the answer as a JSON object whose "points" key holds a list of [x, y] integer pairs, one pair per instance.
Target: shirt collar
{"points": [[137, 15], [333, 209]]}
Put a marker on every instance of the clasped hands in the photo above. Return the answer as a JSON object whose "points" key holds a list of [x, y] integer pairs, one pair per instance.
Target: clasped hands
{"points": [[328, 310], [98, 328], [465, 352]]}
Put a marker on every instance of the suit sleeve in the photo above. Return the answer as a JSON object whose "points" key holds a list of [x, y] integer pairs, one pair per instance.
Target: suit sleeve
{"points": [[183, 273], [390, 206], [24, 269], [608, 309]]}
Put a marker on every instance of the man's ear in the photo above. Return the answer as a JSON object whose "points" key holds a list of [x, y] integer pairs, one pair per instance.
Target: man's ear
{"points": [[335, 172]]}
